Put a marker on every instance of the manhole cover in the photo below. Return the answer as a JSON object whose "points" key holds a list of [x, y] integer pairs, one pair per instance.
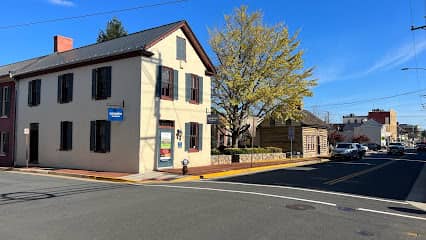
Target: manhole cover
{"points": [[299, 207], [365, 233], [26, 196], [346, 209]]}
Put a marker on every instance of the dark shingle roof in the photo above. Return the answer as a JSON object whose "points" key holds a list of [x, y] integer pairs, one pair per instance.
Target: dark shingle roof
{"points": [[309, 119], [129, 43]]}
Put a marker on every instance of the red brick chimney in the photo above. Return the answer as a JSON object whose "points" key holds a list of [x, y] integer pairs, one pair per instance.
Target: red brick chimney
{"points": [[62, 44]]}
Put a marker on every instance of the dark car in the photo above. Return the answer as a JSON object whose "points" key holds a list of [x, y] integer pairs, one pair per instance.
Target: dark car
{"points": [[421, 147], [374, 146]]}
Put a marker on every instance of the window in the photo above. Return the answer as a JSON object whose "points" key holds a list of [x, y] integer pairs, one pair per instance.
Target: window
{"points": [[4, 143], [194, 88], [101, 83], [65, 84], [34, 88], [66, 136], [4, 101], [167, 83], [194, 136], [180, 48], [166, 124], [100, 136]]}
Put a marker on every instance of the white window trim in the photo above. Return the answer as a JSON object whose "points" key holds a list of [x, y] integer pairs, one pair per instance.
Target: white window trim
{"points": [[3, 113]]}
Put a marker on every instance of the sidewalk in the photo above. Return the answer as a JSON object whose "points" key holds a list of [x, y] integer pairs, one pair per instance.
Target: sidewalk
{"points": [[171, 175], [417, 195]]}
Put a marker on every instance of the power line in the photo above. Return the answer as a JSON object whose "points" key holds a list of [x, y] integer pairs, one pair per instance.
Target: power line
{"points": [[370, 99], [90, 15]]}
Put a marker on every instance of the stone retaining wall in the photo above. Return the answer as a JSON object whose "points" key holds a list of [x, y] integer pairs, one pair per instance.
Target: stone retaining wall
{"points": [[257, 157]]}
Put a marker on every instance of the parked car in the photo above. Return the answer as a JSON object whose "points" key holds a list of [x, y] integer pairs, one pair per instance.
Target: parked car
{"points": [[374, 146], [345, 151], [396, 148], [421, 147]]}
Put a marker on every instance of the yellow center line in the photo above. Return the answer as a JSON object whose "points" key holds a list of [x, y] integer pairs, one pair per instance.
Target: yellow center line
{"points": [[356, 174]]}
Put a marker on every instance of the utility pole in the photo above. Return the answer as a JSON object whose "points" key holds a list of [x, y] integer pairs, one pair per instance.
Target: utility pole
{"points": [[417, 28]]}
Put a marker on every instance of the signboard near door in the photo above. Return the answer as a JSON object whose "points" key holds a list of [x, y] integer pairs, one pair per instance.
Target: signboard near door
{"points": [[165, 144]]}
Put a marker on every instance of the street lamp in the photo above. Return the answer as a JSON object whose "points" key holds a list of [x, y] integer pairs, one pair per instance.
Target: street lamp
{"points": [[413, 68]]}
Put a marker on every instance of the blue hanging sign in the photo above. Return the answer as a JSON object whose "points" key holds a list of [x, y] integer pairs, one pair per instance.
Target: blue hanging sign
{"points": [[115, 114]]}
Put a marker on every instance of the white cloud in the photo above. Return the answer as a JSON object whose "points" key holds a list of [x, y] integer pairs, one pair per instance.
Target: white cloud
{"points": [[66, 3], [391, 60], [397, 57]]}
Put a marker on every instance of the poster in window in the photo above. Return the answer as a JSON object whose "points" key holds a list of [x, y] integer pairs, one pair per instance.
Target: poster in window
{"points": [[165, 146]]}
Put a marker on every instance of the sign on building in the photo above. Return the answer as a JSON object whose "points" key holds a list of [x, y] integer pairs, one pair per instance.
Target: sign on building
{"points": [[115, 114], [212, 119]]}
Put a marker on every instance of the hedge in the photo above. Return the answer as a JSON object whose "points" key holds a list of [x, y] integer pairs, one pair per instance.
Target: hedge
{"points": [[233, 151]]}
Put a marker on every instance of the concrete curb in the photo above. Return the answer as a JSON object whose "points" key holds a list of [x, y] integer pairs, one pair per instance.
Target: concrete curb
{"points": [[244, 171], [216, 175], [417, 195], [50, 172]]}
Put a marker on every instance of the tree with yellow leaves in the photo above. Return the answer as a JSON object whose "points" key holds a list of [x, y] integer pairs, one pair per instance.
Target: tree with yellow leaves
{"points": [[260, 72]]}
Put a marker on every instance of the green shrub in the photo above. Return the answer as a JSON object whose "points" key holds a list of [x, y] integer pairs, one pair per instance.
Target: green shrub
{"points": [[233, 151], [214, 151]]}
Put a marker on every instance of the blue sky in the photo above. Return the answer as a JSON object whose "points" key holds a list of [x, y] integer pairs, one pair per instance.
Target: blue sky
{"points": [[357, 47]]}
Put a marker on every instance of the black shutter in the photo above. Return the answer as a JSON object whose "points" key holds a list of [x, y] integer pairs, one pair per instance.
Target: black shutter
{"points": [[69, 135], [70, 87], [188, 83], [61, 139], [92, 135], [200, 137], [175, 84], [158, 82], [187, 135], [60, 82], [94, 83], [107, 136], [30, 93], [200, 90], [107, 81], [38, 91]]}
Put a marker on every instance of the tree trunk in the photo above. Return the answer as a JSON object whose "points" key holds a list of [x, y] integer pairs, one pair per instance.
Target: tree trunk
{"points": [[235, 139]]}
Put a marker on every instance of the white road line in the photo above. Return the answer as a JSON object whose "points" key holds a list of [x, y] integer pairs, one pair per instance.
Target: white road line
{"points": [[311, 190], [283, 197], [392, 214], [245, 192]]}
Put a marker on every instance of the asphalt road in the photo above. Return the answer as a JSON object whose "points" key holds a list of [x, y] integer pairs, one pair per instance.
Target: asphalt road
{"points": [[40, 207], [376, 175]]}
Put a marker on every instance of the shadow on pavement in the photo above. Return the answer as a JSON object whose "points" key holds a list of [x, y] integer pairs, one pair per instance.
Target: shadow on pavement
{"points": [[53, 192], [408, 210], [378, 175]]}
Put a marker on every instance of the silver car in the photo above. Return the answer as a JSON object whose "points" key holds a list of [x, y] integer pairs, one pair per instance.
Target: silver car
{"points": [[345, 151]]}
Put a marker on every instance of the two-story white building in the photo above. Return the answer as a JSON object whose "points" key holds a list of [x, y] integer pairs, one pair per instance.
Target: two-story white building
{"points": [[132, 104]]}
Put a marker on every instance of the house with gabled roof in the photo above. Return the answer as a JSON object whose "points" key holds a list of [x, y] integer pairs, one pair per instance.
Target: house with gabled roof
{"points": [[307, 136], [132, 104]]}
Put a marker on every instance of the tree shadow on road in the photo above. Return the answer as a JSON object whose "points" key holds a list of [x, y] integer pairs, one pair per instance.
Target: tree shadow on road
{"points": [[54, 192]]}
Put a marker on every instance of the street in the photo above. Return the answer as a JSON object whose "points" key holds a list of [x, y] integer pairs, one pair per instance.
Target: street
{"points": [[362, 199]]}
